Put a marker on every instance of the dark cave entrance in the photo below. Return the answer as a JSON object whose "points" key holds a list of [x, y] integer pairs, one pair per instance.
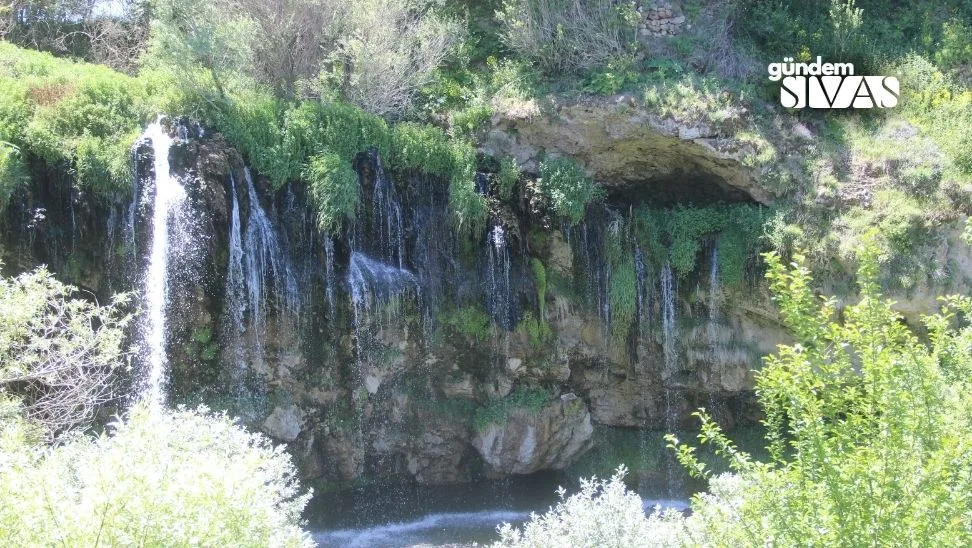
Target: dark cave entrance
{"points": [[688, 187]]}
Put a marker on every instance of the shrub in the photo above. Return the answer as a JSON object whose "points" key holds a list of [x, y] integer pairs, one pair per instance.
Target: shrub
{"points": [[159, 478], [567, 188], [603, 513], [334, 190], [522, 399], [506, 179], [59, 355], [388, 51], [567, 35], [867, 426], [470, 321]]}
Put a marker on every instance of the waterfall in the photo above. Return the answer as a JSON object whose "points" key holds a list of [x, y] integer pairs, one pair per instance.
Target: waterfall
{"points": [[670, 350], [329, 272], [669, 334], [714, 283], [233, 318], [641, 288], [257, 269], [387, 217], [374, 283], [169, 198], [713, 294], [498, 294]]}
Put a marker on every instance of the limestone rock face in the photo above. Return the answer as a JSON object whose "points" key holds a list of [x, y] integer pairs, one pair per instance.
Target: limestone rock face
{"points": [[628, 147], [284, 423], [526, 443]]}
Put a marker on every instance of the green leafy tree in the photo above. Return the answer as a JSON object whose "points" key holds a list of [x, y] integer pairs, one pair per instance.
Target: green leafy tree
{"points": [[868, 427]]}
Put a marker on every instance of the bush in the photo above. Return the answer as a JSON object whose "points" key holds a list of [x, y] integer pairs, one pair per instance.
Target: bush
{"points": [[867, 426], [567, 188], [567, 35], [85, 116], [497, 411], [60, 356], [603, 514], [159, 478], [334, 190], [388, 51]]}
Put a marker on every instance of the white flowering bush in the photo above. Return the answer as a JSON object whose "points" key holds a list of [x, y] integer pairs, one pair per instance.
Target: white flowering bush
{"points": [[603, 514], [159, 478]]}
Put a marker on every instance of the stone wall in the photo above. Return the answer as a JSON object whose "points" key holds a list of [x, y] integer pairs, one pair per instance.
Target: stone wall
{"points": [[660, 19]]}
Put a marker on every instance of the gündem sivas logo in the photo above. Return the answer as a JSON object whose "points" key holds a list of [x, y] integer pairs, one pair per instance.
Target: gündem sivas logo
{"points": [[831, 86]]}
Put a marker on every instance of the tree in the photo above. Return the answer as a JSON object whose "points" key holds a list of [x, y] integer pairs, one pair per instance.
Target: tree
{"points": [[389, 51], [868, 427], [567, 35], [60, 356]]}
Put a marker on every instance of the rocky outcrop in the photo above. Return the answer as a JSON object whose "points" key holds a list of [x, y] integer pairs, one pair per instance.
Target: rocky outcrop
{"points": [[630, 148], [528, 442]]}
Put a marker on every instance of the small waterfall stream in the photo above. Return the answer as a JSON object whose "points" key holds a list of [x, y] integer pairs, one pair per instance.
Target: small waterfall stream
{"points": [[670, 350], [258, 268], [714, 285], [498, 294], [170, 196]]}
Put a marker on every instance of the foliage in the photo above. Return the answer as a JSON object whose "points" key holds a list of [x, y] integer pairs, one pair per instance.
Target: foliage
{"points": [[388, 51], [866, 424], [567, 35], [616, 75], [13, 173], [84, 116], [159, 478], [203, 44], [526, 400], [334, 190], [676, 235], [540, 279], [955, 51], [538, 332], [507, 178], [470, 321], [567, 188], [623, 295], [603, 513], [59, 355]]}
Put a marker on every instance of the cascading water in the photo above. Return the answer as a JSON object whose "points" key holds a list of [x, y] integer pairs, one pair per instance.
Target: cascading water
{"points": [[641, 289], [257, 268], [374, 283], [387, 217], [264, 257], [329, 272], [169, 197], [670, 350], [498, 295], [714, 284]]}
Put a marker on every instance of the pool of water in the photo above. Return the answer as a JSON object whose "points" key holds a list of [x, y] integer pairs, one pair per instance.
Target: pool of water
{"points": [[461, 515]]}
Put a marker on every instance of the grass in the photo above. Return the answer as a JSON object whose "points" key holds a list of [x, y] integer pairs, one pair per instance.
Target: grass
{"points": [[526, 400]]}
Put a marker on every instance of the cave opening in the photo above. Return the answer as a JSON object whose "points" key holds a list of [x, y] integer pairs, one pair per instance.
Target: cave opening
{"points": [[680, 187]]}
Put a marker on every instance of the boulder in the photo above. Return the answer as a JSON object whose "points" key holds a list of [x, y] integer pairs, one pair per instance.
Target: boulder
{"points": [[528, 442]]}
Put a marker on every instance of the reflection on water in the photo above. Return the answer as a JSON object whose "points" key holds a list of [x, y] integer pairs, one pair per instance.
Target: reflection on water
{"points": [[460, 515]]}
